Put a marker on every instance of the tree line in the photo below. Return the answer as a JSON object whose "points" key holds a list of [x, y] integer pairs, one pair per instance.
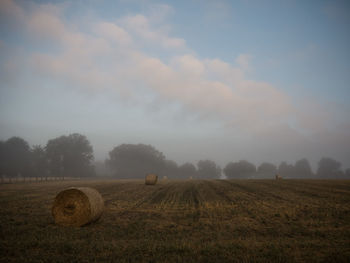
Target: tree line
{"points": [[72, 156], [64, 156]]}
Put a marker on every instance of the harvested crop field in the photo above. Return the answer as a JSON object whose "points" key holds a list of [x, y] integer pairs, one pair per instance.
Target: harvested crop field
{"points": [[182, 221]]}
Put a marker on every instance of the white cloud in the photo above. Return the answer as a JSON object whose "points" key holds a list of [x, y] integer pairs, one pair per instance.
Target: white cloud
{"points": [[108, 56], [243, 60], [113, 32], [208, 87], [46, 24], [10, 10], [188, 65], [140, 26]]}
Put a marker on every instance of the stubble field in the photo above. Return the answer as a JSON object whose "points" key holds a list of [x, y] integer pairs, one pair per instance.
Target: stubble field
{"points": [[182, 221]]}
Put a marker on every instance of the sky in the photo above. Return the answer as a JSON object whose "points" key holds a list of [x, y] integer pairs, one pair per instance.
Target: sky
{"points": [[219, 80]]}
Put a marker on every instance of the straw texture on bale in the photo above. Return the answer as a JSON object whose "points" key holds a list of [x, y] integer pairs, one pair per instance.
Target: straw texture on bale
{"points": [[77, 206], [151, 179]]}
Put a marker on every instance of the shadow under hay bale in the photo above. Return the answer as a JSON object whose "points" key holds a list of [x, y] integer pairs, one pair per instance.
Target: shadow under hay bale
{"points": [[151, 179], [77, 206]]}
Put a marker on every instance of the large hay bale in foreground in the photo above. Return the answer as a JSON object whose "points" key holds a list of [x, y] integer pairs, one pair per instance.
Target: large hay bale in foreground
{"points": [[77, 206], [151, 179]]}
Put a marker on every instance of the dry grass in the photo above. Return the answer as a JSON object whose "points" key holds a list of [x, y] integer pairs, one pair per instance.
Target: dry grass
{"points": [[183, 221], [77, 206], [151, 179]]}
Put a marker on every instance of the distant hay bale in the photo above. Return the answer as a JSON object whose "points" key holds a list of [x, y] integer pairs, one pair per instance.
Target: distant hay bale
{"points": [[190, 178], [278, 177], [151, 179], [77, 206], [165, 177]]}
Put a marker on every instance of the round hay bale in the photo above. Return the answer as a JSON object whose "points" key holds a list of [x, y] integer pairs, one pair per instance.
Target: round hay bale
{"points": [[77, 206], [151, 179], [165, 177], [278, 177]]}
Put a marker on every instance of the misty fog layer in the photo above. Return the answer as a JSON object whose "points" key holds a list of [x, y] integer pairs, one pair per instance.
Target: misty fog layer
{"points": [[72, 156]]}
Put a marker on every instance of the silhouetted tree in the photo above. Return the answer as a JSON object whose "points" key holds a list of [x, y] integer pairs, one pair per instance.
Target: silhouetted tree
{"points": [[187, 170], [16, 157], [135, 161], [2, 161], [39, 161], [241, 169], [347, 173], [70, 156], [2, 157], [171, 169], [302, 169], [208, 169], [328, 168], [267, 170], [286, 170]]}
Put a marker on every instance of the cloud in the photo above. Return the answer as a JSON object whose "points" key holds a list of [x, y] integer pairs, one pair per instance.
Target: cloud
{"points": [[140, 26], [114, 33], [10, 11], [109, 56], [234, 99], [46, 23], [211, 88], [243, 60], [189, 65]]}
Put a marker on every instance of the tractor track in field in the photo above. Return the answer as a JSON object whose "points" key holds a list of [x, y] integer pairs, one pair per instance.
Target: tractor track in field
{"points": [[215, 189], [128, 194], [157, 196], [187, 194], [317, 190], [294, 192], [256, 192], [241, 195], [119, 192], [173, 195]]}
